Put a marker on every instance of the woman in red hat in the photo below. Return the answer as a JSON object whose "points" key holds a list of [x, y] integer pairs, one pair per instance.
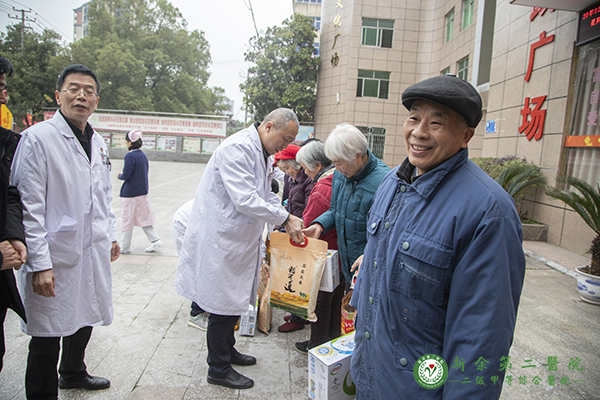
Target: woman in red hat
{"points": [[301, 186]]}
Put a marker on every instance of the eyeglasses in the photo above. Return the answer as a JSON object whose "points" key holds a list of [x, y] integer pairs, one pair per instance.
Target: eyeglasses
{"points": [[73, 91]]}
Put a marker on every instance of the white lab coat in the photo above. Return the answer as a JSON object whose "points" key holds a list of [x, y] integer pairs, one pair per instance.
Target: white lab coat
{"points": [[220, 257], [181, 219], [69, 227]]}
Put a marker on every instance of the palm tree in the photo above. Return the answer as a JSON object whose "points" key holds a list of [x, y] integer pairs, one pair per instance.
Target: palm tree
{"points": [[587, 205]]}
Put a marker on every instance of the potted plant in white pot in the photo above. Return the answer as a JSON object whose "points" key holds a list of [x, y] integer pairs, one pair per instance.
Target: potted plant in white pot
{"points": [[587, 205]]}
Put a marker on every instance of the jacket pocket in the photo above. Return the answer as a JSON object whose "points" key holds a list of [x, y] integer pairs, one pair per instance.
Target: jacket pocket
{"points": [[234, 237], [64, 248], [422, 270], [373, 222]]}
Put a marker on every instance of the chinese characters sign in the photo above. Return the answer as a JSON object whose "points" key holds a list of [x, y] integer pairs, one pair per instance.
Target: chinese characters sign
{"points": [[534, 127], [589, 24], [566, 376], [532, 123], [337, 23]]}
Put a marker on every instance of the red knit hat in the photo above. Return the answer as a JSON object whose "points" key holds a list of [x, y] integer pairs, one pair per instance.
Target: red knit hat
{"points": [[289, 153]]}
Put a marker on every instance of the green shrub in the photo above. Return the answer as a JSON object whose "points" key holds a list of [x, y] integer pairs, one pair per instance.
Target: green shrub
{"points": [[518, 177]]}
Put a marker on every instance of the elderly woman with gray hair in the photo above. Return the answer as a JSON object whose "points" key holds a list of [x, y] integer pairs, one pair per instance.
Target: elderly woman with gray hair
{"points": [[320, 169], [355, 181]]}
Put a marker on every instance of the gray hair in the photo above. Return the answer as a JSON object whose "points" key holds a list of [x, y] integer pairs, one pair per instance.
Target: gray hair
{"points": [[312, 153], [281, 117], [345, 143], [292, 163]]}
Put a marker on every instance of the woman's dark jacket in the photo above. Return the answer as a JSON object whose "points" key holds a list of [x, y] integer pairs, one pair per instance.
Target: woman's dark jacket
{"points": [[299, 193], [11, 220], [135, 174]]}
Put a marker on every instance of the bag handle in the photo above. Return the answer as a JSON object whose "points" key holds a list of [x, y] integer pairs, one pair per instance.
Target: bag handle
{"points": [[299, 244]]}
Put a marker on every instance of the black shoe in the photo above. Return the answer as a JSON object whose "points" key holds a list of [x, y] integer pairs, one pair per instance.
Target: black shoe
{"points": [[87, 383], [234, 380], [302, 347], [242, 359]]}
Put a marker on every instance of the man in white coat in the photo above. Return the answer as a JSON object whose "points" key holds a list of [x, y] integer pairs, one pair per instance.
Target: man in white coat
{"points": [[221, 253], [62, 171]]}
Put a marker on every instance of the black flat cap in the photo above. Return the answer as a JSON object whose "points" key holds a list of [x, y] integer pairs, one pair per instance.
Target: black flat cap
{"points": [[448, 91]]}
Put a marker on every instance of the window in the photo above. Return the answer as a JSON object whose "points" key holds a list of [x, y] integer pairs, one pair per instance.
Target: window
{"points": [[377, 32], [463, 67], [581, 153], [449, 25], [375, 138], [316, 52], [467, 13], [446, 71], [309, 1], [373, 84], [316, 22]]}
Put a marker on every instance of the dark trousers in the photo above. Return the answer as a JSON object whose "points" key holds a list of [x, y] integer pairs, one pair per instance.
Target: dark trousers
{"points": [[220, 340], [196, 309], [41, 379], [2, 346], [329, 316]]}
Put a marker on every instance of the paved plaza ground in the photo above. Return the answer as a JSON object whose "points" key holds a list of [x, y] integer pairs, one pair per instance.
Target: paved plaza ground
{"points": [[149, 352]]}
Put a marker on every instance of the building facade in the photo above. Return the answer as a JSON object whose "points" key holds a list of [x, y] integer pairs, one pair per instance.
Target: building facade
{"points": [[311, 9], [535, 82], [80, 22]]}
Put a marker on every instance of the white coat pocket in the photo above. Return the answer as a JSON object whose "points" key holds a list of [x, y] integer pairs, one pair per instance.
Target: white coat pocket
{"points": [[233, 236], [64, 248]]}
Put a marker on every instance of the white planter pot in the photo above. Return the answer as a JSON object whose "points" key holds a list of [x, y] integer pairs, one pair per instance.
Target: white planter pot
{"points": [[588, 286]]}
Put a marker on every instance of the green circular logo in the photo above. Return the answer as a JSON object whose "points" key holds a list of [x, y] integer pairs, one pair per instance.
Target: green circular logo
{"points": [[430, 371]]}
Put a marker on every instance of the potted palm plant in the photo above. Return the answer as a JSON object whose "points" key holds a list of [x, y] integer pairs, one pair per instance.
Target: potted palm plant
{"points": [[519, 179], [586, 203]]}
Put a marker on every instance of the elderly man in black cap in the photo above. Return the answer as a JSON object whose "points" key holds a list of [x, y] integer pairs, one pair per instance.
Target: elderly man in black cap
{"points": [[443, 269]]}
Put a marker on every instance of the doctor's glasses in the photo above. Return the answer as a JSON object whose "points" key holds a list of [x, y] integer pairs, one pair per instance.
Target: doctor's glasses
{"points": [[75, 91]]}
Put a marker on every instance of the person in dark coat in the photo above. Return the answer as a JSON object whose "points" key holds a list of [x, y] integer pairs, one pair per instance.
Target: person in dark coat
{"points": [[12, 248]]}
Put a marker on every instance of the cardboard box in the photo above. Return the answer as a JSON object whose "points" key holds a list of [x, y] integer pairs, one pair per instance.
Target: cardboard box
{"points": [[329, 370], [331, 274], [248, 321]]}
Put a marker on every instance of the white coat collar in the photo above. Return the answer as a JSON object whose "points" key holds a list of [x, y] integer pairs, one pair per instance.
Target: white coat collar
{"points": [[63, 127], [255, 137]]}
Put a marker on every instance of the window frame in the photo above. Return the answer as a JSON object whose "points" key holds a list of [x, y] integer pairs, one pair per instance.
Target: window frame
{"points": [[445, 71], [468, 9], [380, 31], [375, 138], [463, 69], [449, 25], [316, 22], [365, 83]]}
